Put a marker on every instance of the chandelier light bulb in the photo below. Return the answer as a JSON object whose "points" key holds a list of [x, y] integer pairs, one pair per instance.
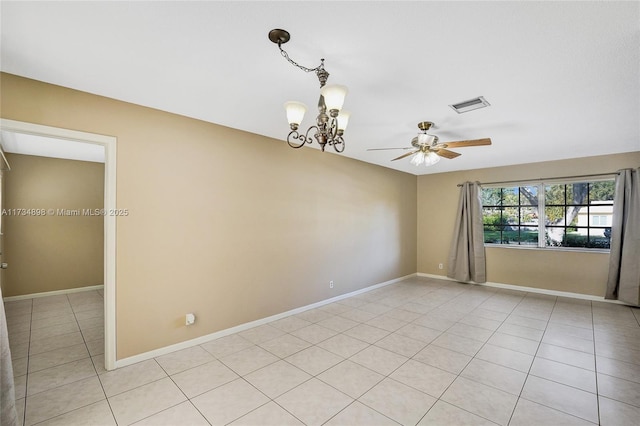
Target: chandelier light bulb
{"points": [[343, 120], [334, 96], [295, 112]]}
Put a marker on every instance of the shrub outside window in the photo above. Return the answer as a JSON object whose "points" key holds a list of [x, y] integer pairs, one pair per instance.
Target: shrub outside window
{"points": [[557, 214]]}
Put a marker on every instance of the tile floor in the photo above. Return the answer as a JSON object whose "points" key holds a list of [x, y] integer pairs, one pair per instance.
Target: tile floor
{"points": [[421, 351]]}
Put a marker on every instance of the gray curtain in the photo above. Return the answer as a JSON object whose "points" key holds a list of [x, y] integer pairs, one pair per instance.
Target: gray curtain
{"points": [[466, 257], [624, 262]]}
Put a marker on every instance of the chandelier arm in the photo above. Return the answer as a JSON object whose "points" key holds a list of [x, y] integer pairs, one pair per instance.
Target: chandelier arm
{"points": [[321, 136], [306, 135], [332, 130], [338, 144], [296, 136]]}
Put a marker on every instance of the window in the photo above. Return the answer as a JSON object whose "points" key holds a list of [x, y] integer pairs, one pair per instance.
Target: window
{"points": [[572, 214], [599, 220]]}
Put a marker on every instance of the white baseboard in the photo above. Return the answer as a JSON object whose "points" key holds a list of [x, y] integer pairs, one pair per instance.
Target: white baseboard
{"points": [[53, 293], [222, 333], [530, 289]]}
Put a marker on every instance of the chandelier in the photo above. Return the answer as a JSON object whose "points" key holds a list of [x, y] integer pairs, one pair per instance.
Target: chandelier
{"points": [[331, 121]]}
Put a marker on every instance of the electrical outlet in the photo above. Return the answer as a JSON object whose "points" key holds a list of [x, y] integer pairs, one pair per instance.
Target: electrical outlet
{"points": [[190, 319], [330, 284], [439, 265]]}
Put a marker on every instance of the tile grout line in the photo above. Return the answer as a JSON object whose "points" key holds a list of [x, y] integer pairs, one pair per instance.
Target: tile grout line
{"points": [[89, 357], [468, 362], [474, 357], [26, 386], [471, 358], [180, 389], [529, 374], [242, 377], [484, 344], [595, 362], [349, 359], [345, 359], [92, 362]]}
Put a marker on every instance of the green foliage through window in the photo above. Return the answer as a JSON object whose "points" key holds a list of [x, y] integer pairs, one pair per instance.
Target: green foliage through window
{"points": [[576, 214]]}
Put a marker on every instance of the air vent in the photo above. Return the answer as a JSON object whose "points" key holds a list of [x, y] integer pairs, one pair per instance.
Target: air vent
{"points": [[470, 105]]}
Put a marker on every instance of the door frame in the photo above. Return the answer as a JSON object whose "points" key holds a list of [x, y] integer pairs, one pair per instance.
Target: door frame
{"points": [[109, 144]]}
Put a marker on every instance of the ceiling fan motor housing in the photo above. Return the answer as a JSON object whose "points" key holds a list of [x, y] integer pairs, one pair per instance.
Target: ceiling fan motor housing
{"points": [[424, 139]]}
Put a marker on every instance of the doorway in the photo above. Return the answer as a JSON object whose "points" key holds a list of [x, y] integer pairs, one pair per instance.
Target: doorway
{"points": [[109, 144]]}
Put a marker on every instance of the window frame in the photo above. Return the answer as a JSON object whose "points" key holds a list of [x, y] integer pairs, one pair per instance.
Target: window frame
{"points": [[541, 211]]}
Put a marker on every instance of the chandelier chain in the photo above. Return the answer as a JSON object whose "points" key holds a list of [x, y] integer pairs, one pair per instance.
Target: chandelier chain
{"points": [[303, 68], [321, 73]]}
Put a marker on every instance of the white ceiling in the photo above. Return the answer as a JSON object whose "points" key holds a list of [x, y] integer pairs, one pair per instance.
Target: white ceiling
{"points": [[562, 78]]}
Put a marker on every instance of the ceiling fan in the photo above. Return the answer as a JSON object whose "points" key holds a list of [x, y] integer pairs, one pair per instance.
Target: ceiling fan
{"points": [[427, 149]]}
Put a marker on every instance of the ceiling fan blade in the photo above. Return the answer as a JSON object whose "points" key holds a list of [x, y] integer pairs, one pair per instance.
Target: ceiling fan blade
{"points": [[460, 144], [386, 149], [406, 155], [446, 153]]}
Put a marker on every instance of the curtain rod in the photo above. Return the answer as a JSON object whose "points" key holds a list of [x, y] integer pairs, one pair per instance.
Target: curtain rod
{"points": [[549, 178]]}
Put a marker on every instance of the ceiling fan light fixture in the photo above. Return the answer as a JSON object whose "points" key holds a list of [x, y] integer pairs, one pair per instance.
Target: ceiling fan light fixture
{"points": [[431, 158], [428, 158], [470, 105], [418, 158]]}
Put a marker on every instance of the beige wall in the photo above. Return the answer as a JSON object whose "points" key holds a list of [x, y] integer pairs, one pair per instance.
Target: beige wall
{"points": [[2, 220], [226, 224], [54, 251], [577, 272]]}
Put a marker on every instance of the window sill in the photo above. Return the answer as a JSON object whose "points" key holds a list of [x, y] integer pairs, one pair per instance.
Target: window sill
{"points": [[569, 249]]}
